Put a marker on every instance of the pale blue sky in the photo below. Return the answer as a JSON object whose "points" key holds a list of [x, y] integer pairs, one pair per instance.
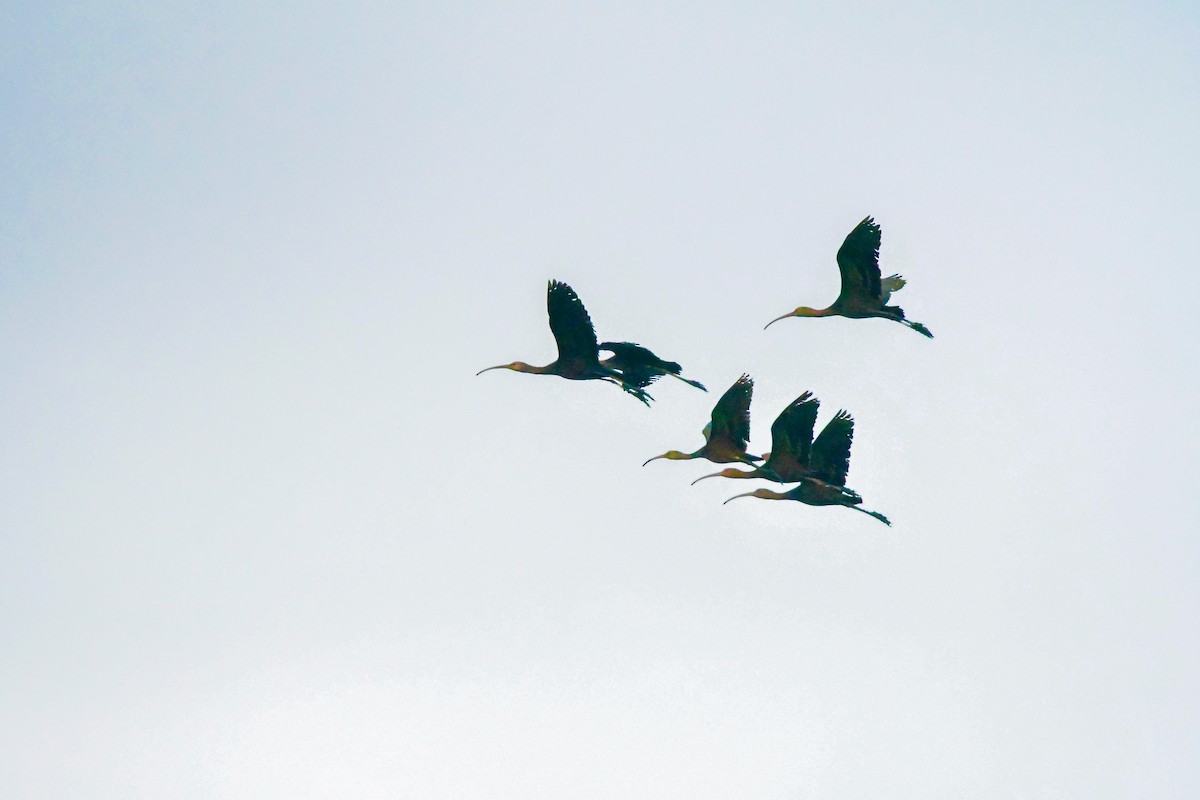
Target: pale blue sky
{"points": [[263, 533]]}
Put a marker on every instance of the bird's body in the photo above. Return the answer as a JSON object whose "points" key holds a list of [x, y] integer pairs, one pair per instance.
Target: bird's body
{"points": [[814, 492], [795, 454], [864, 293], [641, 367], [726, 436], [578, 354]]}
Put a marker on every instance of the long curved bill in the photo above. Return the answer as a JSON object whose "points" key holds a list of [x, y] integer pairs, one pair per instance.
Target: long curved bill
{"points": [[498, 366], [648, 460], [772, 322], [736, 496], [702, 477]]}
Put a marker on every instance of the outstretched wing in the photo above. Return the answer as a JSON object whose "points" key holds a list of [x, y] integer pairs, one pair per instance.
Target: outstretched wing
{"points": [[858, 260], [570, 324], [831, 450], [791, 435], [731, 414]]}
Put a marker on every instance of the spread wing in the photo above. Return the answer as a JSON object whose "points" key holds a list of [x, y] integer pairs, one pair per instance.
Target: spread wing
{"points": [[731, 414], [570, 324], [831, 450], [791, 435], [858, 260]]}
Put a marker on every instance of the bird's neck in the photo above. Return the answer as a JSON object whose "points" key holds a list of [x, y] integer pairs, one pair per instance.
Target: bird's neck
{"points": [[521, 366], [805, 311], [730, 472]]}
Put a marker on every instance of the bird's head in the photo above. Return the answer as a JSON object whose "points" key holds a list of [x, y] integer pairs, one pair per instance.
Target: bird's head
{"points": [[765, 494], [516, 366], [671, 455]]}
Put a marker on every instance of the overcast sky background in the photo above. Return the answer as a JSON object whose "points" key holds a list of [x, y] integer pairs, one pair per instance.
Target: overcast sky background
{"points": [[263, 533]]}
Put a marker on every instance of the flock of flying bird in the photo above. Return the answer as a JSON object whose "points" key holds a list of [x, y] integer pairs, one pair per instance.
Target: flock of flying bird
{"points": [[817, 466]]}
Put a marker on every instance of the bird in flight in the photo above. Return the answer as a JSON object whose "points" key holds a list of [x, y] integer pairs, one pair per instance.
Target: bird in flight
{"points": [[641, 367], [819, 466], [814, 492], [578, 352], [864, 294], [795, 454], [726, 436]]}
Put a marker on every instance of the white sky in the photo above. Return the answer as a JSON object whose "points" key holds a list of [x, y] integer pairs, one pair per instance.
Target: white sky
{"points": [[263, 533]]}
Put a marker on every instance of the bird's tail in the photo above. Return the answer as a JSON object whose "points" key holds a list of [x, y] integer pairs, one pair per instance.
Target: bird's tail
{"points": [[890, 285]]}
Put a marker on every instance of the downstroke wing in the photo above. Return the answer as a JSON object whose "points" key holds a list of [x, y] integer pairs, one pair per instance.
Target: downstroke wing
{"points": [[858, 261], [791, 435], [831, 450]]}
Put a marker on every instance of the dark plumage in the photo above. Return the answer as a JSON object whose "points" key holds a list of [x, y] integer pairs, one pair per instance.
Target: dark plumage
{"points": [[578, 356], [572, 328], [795, 455], [727, 434], [815, 492], [830, 455], [641, 367], [864, 293]]}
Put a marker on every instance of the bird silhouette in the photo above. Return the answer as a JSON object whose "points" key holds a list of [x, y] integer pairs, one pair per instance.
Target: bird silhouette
{"points": [[816, 492], [725, 437], [641, 367], [578, 354], [795, 455], [864, 294]]}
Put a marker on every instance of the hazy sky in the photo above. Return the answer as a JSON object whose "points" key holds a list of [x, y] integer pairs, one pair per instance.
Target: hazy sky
{"points": [[263, 533]]}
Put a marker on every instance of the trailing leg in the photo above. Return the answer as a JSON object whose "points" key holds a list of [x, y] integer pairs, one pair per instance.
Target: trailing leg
{"points": [[918, 327], [874, 514]]}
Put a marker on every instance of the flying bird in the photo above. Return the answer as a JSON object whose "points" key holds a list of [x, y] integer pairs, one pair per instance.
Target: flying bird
{"points": [[864, 294], [818, 493], [578, 353], [726, 436], [795, 455], [641, 367]]}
